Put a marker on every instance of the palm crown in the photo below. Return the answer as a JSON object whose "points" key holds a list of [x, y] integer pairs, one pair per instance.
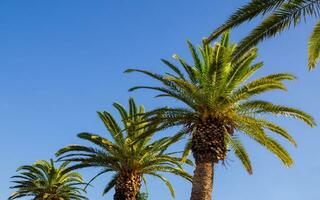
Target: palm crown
{"points": [[219, 100], [43, 180], [219, 97], [284, 13], [130, 159]]}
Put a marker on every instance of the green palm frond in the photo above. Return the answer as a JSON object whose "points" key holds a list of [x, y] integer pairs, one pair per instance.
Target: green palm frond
{"points": [[110, 185], [247, 12], [168, 184], [278, 130], [240, 152], [283, 14], [259, 107], [258, 135], [314, 46], [289, 13]]}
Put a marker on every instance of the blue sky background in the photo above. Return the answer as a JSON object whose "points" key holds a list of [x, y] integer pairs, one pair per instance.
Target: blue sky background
{"points": [[63, 60]]}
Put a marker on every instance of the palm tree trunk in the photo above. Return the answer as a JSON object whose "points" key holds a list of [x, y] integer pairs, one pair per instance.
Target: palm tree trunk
{"points": [[202, 181], [208, 147], [127, 186]]}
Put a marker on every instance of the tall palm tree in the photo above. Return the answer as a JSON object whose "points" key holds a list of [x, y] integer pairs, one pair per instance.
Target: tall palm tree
{"points": [[219, 103], [44, 181], [128, 158], [281, 14]]}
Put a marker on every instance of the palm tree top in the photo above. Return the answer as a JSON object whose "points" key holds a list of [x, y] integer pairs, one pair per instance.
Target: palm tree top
{"points": [[126, 151], [43, 180], [217, 88]]}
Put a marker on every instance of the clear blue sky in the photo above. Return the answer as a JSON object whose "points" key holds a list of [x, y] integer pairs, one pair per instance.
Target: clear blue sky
{"points": [[61, 61]]}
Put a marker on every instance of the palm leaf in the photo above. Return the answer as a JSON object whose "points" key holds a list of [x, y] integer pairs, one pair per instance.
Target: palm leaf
{"points": [[314, 47]]}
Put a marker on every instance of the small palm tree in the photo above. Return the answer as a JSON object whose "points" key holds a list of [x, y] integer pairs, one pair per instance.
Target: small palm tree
{"points": [[43, 181], [284, 13], [128, 155], [219, 102]]}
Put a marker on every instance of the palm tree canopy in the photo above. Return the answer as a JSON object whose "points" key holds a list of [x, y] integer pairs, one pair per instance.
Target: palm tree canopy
{"points": [[281, 14], [217, 87], [126, 151], [43, 180]]}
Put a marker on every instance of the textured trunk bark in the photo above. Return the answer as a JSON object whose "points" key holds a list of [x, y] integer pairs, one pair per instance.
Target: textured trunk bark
{"points": [[127, 186], [202, 181], [208, 148]]}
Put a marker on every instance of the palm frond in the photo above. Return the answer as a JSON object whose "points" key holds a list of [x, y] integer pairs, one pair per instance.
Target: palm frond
{"points": [[314, 47], [289, 13], [240, 152], [247, 12]]}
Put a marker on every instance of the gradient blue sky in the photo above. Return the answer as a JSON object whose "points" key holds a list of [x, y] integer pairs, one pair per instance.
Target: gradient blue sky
{"points": [[61, 61]]}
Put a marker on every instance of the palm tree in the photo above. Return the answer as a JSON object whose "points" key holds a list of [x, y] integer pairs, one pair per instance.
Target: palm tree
{"points": [[43, 181], [128, 158], [284, 13], [219, 103]]}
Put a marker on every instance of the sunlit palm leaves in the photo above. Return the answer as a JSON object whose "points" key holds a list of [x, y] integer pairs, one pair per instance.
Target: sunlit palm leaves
{"points": [[127, 150], [43, 180], [284, 13], [217, 86]]}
